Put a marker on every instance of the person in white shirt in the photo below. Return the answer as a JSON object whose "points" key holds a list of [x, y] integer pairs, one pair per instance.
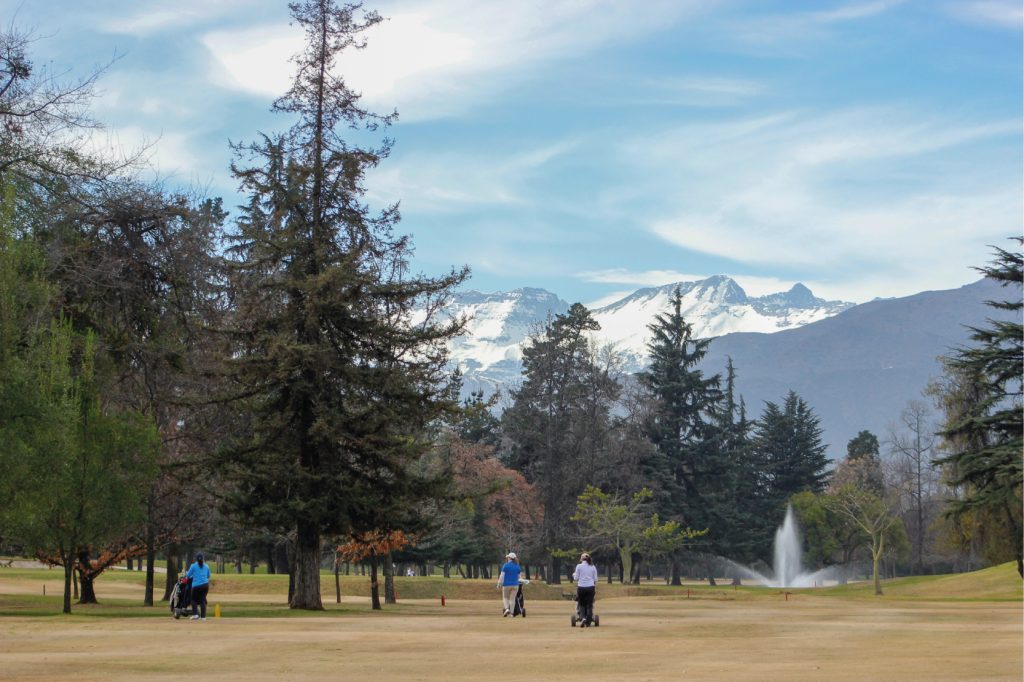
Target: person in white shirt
{"points": [[585, 576]]}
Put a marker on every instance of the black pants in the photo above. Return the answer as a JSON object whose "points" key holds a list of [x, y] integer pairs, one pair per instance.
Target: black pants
{"points": [[199, 599], [585, 599]]}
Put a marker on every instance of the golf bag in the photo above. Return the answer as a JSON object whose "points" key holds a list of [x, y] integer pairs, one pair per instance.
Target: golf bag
{"points": [[580, 617], [181, 596], [520, 607]]}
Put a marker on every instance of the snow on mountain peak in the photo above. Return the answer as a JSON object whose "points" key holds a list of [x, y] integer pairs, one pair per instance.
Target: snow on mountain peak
{"points": [[500, 323]]}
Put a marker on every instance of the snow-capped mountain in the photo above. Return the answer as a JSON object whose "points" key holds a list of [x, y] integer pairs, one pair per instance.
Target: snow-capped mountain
{"points": [[490, 353], [714, 306]]}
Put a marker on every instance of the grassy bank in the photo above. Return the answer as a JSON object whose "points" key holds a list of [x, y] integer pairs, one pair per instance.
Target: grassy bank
{"points": [[38, 592]]}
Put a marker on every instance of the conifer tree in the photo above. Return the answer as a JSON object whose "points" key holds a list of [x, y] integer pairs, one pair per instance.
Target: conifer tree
{"points": [[790, 451], [339, 380], [687, 472], [985, 419], [559, 423]]}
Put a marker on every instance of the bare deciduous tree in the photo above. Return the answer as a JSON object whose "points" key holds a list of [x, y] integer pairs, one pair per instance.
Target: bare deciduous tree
{"points": [[913, 476]]}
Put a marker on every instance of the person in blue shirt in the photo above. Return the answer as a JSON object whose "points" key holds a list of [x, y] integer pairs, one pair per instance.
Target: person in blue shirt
{"points": [[199, 574], [508, 582]]}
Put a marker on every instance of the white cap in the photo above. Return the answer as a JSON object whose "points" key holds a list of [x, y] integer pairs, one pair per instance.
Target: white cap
{"points": [[511, 555]]}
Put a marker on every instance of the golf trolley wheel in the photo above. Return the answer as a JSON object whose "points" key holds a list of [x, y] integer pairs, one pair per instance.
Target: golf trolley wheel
{"points": [[572, 620], [177, 614], [597, 621]]}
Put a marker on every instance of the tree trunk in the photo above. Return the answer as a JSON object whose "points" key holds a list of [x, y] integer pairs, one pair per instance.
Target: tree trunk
{"points": [[69, 569], [271, 568], [85, 578], [876, 556], [88, 590], [389, 580], [554, 571], [289, 561], [172, 573], [676, 578], [447, 568], [374, 588], [306, 569], [281, 560], [337, 579], [1015, 533], [147, 599]]}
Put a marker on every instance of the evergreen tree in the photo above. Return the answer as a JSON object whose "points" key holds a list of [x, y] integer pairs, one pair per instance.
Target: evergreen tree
{"points": [[340, 382], [863, 453], [984, 422], [559, 425], [740, 537], [689, 472], [790, 451]]}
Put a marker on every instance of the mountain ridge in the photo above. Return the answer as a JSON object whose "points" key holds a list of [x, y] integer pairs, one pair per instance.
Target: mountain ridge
{"points": [[856, 365]]}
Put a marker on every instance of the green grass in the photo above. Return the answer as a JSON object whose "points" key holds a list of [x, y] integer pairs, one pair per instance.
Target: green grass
{"points": [[996, 584]]}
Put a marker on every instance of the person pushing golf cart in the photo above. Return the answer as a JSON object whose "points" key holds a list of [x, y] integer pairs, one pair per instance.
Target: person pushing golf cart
{"points": [[585, 576], [508, 583]]}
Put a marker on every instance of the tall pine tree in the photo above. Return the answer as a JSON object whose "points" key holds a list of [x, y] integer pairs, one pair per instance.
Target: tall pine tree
{"points": [[689, 472], [985, 423], [790, 451], [339, 380]]}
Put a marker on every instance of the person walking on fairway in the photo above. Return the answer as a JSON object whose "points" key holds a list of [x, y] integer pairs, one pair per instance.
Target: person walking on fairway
{"points": [[508, 583], [199, 573], [585, 576]]}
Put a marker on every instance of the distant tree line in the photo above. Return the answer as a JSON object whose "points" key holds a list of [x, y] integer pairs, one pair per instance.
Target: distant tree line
{"points": [[274, 387]]}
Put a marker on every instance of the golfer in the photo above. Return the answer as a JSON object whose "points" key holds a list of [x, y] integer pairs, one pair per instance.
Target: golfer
{"points": [[585, 576], [508, 583], [199, 573]]}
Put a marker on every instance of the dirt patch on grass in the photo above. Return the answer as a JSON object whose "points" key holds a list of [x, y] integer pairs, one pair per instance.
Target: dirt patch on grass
{"points": [[805, 638]]}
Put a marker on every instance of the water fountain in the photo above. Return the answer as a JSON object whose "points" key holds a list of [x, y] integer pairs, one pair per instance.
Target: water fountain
{"points": [[787, 568]]}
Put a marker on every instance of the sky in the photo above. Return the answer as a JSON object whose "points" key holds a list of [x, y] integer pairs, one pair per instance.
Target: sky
{"points": [[866, 148]]}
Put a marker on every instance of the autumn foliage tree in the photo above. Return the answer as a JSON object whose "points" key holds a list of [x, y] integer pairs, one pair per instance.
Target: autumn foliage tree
{"points": [[373, 545]]}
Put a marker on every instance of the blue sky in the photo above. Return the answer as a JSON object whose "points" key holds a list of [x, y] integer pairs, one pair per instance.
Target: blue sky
{"points": [[863, 147]]}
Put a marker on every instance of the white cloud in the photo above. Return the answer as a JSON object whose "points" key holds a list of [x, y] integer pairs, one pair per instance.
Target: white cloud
{"points": [[856, 194], [146, 18], [790, 30], [436, 59], [443, 183], [608, 299], [754, 285], [254, 60], [646, 278], [700, 90], [167, 154], [1004, 13]]}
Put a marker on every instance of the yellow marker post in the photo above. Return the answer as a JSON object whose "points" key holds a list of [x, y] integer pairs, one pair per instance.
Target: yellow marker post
{"points": [[216, 610]]}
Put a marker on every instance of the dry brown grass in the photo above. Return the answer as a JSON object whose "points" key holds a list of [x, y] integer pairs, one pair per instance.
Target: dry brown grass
{"points": [[810, 636]]}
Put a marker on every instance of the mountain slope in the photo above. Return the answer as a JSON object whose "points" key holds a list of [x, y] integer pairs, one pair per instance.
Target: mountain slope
{"points": [[859, 368]]}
